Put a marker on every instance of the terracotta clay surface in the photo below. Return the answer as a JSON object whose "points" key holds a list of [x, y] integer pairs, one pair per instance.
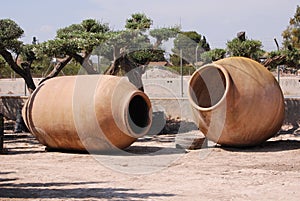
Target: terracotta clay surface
{"points": [[87, 112], [236, 102]]}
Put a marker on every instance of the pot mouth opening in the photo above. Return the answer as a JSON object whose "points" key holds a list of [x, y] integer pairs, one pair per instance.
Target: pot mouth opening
{"points": [[208, 87], [139, 115]]}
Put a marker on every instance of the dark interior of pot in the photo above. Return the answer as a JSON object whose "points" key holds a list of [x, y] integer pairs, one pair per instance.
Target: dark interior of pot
{"points": [[207, 86], [138, 114]]}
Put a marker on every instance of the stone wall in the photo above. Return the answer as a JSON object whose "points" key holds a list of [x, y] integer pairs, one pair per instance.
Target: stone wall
{"points": [[11, 105], [180, 108], [159, 87], [177, 108], [292, 112], [290, 86]]}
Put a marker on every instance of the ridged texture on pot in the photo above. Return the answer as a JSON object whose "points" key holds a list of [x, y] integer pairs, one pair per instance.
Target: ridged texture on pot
{"points": [[236, 102], [87, 112]]}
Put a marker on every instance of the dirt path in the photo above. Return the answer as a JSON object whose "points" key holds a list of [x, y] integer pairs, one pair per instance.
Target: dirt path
{"points": [[268, 172]]}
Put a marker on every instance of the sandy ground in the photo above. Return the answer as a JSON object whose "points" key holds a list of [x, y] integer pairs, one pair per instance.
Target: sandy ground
{"points": [[152, 169]]}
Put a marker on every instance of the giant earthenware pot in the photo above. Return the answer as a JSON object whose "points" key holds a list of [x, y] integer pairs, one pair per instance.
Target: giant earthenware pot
{"points": [[87, 112], [236, 102]]}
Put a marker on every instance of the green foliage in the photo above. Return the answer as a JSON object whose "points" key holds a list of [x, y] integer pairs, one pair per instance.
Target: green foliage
{"points": [[135, 43], [27, 52], [2, 61], [192, 45], [138, 21], [105, 51], [146, 55], [86, 26], [5, 70], [199, 40], [69, 30], [288, 57], [291, 36], [186, 70], [56, 48], [213, 55], [72, 68], [275, 54], [123, 42], [203, 44], [247, 48], [44, 65], [175, 60], [10, 32], [121, 39], [293, 57], [92, 26], [290, 54], [163, 34], [75, 39], [138, 42]]}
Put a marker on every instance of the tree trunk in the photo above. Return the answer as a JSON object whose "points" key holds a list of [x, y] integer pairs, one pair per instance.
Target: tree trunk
{"points": [[84, 61], [133, 71], [157, 44], [135, 77], [57, 68], [28, 78], [23, 71], [113, 69]]}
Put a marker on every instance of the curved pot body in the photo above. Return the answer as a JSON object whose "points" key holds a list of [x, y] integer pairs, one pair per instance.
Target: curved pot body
{"points": [[87, 112], [236, 102]]}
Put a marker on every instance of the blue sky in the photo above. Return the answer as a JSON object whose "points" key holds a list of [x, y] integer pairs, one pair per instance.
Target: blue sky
{"points": [[218, 20]]}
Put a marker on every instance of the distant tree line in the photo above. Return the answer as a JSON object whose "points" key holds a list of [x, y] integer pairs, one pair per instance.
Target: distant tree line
{"points": [[129, 50]]}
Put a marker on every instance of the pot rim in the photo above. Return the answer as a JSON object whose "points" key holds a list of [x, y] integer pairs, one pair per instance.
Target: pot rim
{"points": [[227, 86], [143, 130]]}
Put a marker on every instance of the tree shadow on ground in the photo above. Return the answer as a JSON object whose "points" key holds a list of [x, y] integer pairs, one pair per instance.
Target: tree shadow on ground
{"points": [[18, 152], [153, 150], [71, 191], [268, 146], [20, 138], [27, 144], [21, 145]]}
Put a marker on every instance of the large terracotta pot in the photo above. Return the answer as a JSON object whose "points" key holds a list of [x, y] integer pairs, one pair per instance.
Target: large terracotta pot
{"points": [[87, 112], [236, 102]]}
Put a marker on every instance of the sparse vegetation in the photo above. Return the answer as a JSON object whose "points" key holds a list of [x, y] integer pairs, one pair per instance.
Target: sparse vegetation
{"points": [[124, 50]]}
